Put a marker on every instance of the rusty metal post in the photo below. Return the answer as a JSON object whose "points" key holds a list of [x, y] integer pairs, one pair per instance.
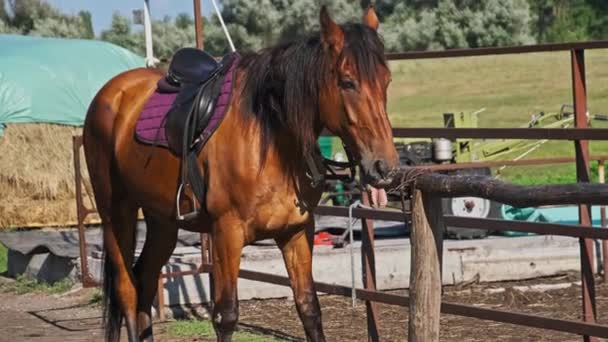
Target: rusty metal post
{"points": [[160, 297], [81, 214], [209, 262], [198, 24], [601, 171], [579, 90], [204, 251], [206, 258], [368, 261]]}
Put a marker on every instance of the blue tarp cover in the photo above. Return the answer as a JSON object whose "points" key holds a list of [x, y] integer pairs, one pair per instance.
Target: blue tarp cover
{"points": [[53, 80]]}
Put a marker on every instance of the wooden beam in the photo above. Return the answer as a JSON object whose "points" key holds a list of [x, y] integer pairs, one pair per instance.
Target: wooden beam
{"points": [[198, 24], [496, 190]]}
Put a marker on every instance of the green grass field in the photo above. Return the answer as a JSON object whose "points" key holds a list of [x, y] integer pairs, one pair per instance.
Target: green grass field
{"points": [[3, 258], [195, 328], [23, 285], [511, 88]]}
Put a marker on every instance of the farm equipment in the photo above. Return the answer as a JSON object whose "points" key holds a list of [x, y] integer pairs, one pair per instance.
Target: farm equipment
{"points": [[444, 151]]}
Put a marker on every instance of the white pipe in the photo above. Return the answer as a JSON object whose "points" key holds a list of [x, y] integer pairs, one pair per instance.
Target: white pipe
{"points": [[219, 15], [150, 60], [353, 293]]}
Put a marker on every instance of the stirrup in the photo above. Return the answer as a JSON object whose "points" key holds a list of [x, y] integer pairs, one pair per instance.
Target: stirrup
{"points": [[188, 216]]}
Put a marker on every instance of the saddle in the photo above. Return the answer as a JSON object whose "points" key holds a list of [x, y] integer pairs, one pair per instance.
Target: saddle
{"points": [[203, 86], [197, 78], [189, 65]]}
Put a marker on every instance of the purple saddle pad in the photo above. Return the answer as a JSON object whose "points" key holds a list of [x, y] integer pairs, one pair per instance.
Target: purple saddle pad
{"points": [[150, 126]]}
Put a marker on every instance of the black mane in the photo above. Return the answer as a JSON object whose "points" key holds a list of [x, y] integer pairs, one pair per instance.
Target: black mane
{"points": [[282, 83]]}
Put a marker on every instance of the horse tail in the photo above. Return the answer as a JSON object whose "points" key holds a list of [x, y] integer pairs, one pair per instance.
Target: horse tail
{"points": [[112, 315]]}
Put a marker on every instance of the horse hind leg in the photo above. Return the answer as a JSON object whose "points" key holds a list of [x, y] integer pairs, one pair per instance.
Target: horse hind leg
{"points": [[119, 217], [161, 238], [120, 296]]}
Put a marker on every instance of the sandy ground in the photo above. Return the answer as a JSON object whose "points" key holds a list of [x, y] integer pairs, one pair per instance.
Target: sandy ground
{"points": [[70, 317]]}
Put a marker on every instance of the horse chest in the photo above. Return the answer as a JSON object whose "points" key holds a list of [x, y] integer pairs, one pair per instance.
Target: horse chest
{"points": [[276, 216], [272, 211]]}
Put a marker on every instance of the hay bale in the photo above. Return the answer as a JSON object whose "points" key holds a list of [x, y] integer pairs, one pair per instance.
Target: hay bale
{"points": [[37, 176]]}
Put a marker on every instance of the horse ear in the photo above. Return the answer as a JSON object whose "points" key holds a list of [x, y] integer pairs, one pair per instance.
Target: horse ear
{"points": [[332, 36], [370, 18]]}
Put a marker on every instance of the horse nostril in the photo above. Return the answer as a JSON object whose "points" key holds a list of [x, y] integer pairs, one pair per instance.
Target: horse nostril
{"points": [[382, 168]]}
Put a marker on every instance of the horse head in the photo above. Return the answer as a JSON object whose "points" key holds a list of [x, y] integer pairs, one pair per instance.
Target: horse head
{"points": [[353, 101]]}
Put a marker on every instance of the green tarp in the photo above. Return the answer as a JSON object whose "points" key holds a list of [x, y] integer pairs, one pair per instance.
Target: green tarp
{"points": [[53, 80]]}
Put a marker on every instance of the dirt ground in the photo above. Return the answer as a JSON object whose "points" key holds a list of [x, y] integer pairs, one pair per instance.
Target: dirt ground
{"points": [[71, 317]]}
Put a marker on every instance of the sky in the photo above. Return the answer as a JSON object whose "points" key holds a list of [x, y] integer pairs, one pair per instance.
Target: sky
{"points": [[102, 10]]}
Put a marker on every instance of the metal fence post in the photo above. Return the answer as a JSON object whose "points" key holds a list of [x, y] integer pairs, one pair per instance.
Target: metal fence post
{"points": [[368, 260], [579, 90], [602, 179], [81, 214]]}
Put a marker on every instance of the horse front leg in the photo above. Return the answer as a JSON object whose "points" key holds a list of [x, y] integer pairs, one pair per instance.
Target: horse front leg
{"points": [[297, 253], [228, 242]]}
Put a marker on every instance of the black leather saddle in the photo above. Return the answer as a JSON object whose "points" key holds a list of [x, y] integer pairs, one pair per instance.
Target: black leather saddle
{"points": [[189, 65], [197, 78]]}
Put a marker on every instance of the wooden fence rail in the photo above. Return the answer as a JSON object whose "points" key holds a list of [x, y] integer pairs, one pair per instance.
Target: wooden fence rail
{"points": [[426, 238]]}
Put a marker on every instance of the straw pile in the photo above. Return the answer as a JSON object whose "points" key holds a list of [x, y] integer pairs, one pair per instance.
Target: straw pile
{"points": [[37, 176]]}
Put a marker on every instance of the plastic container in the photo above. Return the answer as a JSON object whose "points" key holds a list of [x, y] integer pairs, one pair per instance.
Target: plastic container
{"points": [[326, 145]]}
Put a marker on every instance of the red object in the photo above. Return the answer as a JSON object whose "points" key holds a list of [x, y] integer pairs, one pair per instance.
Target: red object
{"points": [[323, 238]]}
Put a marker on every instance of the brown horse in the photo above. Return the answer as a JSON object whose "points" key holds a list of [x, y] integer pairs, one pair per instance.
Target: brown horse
{"points": [[254, 166]]}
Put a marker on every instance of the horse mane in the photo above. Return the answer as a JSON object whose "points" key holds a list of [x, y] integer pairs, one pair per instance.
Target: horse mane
{"points": [[282, 83]]}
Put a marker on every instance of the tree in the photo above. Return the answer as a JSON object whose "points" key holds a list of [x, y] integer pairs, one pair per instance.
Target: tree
{"points": [[4, 27], [168, 36], [261, 23], [3, 14], [416, 25], [58, 27], [572, 20], [300, 18], [569, 20], [120, 34], [37, 17], [184, 21], [87, 23]]}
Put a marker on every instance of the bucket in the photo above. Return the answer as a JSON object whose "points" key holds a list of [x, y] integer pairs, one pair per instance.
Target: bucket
{"points": [[326, 144]]}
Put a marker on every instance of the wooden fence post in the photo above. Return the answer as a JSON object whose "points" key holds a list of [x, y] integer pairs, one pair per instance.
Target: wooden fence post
{"points": [[425, 277]]}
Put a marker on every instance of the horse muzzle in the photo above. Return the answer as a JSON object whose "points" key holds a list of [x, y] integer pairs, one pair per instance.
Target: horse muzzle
{"points": [[378, 173]]}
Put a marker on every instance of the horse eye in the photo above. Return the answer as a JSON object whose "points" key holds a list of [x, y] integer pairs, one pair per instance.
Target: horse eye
{"points": [[347, 84]]}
